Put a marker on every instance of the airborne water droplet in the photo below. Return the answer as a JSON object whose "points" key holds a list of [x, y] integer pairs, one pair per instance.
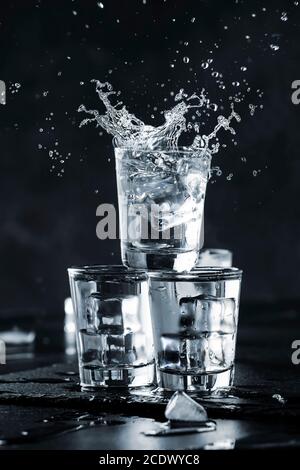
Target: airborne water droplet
{"points": [[186, 60], [284, 16], [274, 47], [243, 68]]}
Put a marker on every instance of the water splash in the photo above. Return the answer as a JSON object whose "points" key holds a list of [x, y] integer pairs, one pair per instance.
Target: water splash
{"points": [[129, 131]]}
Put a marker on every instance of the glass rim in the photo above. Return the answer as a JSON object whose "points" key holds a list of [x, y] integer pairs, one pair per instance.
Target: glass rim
{"points": [[179, 149], [198, 273], [215, 251], [115, 270]]}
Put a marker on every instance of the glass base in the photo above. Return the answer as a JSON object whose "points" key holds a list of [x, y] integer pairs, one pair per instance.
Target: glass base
{"points": [[202, 384], [91, 378], [157, 261]]}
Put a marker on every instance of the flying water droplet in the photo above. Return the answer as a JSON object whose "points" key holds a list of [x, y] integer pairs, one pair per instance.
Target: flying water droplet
{"points": [[213, 106], [284, 16], [274, 47], [243, 68], [186, 60], [279, 398], [252, 108]]}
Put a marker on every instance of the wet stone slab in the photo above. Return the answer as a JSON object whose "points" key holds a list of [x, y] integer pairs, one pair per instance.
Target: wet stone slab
{"points": [[58, 386]]}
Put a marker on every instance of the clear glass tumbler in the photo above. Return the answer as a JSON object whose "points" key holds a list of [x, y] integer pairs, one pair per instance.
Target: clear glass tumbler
{"points": [[195, 317], [161, 200], [113, 326]]}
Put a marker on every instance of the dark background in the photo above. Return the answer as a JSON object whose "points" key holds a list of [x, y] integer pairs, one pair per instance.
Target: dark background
{"points": [[48, 217]]}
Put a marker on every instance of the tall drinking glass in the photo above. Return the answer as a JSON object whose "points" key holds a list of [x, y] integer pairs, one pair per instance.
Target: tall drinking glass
{"points": [[195, 317], [161, 200], [113, 326]]}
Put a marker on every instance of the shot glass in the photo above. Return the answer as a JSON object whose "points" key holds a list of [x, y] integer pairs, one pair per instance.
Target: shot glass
{"points": [[161, 200], [195, 318], [113, 326], [215, 257]]}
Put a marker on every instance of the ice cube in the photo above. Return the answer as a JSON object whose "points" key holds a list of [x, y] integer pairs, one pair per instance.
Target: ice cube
{"points": [[207, 314], [90, 355], [173, 211], [182, 408], [170, 352], [130, 313], [221, 349], [184, 353], [167, 197], [121, 349], [229, 321], [105, 314], [90, 345], [195, 184], [153, 187]]}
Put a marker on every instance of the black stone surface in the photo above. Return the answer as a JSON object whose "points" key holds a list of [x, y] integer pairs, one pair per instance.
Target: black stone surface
{"points": [[261, 410]]}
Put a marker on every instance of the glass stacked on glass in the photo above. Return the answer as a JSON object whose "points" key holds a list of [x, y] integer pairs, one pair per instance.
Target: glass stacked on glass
{"points": [[194, 310]]}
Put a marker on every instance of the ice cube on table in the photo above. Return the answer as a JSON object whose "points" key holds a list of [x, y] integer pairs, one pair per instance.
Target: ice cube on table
{"points": [[182, 408]]}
